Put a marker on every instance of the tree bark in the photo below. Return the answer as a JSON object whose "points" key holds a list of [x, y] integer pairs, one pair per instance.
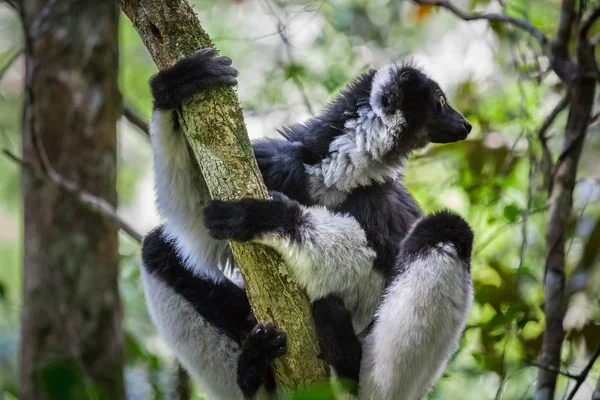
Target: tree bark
{"points": [[71, 338], [214, 125], [583, 89]]}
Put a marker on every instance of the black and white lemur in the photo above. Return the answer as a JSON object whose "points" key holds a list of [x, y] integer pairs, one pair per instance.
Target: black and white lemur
{"points": [[390, 288]]}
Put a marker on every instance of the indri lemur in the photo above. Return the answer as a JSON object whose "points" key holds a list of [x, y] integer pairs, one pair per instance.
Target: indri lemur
{"points": [[350, 232]]}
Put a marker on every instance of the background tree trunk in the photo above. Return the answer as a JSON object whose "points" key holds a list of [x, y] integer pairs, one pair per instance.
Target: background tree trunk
{"points": [[214, 125], [71, 337]]}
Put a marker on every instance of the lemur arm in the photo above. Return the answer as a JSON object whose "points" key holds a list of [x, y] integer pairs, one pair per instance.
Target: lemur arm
{"points": [[327, 252], [180, 187], [423, 313], [201, 315]]}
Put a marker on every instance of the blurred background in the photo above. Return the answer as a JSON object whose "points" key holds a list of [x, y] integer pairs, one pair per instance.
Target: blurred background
{"points": [[293, 56]]}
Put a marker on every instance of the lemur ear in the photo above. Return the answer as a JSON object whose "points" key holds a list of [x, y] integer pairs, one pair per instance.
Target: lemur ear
{"points": [[405, 76]]}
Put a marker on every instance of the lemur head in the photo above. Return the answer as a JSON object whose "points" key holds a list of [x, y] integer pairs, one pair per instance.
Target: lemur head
{"points": [[408, 100]]}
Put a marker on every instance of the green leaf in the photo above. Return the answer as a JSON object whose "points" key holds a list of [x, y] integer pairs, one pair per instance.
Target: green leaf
{"points": [[512, 212]]}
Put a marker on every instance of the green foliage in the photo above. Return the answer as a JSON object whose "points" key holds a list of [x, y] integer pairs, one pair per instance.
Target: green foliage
{"points": [[494, 178]]}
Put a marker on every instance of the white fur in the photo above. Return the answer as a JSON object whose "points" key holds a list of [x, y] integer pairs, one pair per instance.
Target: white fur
{"points": [[417, 328], [382, 80], [182, 195], [333, 257], [209, 356], [356, 158]]}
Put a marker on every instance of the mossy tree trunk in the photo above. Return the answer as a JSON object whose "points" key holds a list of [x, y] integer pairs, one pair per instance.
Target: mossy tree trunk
{"points": [[71, 336], [214, 125]]}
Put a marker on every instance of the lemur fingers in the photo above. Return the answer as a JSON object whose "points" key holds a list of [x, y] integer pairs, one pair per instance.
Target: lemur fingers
{"points": [[194, 74], [246, 219]]}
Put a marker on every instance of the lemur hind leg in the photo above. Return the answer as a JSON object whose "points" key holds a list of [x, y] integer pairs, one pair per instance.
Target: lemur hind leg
{"points": [[423, 313], [202, 321]]}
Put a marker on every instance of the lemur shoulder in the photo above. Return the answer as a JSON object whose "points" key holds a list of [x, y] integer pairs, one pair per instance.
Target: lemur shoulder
{"points": [[372, 265]]}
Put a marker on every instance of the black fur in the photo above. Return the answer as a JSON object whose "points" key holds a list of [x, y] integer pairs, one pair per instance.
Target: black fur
{"points": [[264, 344], [246, 219], [438, 228], [224, 304], [194, 74], [340, 347]]}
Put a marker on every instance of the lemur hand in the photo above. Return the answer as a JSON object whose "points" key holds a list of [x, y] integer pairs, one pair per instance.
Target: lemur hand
{"points": [[196, 73], [246, 219]]}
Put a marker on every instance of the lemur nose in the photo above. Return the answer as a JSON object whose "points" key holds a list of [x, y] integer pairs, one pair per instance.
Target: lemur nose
{"points": [[468, 126]]}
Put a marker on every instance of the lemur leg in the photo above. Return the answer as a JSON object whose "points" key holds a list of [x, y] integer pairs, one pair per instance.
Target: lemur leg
{"points": [[327, 252], [202, 321], [339, 344], [202, 316], [263, 345], [180, 187], [423, 313]]}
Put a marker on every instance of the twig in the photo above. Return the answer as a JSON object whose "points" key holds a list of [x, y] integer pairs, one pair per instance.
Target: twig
{"points": [[541, 134], [92, 202], [467, 16], [551, 369], [10, 62], [281, 28], [580, 378], [135, 119], [588, 21]]}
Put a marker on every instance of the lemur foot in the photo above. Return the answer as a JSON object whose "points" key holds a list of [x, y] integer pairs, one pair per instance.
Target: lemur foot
{"points": [[264, 344], [246, 219], [193, 74]]}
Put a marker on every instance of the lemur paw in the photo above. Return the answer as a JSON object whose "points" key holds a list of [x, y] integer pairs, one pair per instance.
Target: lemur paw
{"points": [[265, 343], [246, 219], [196, 73], [231, 220]]}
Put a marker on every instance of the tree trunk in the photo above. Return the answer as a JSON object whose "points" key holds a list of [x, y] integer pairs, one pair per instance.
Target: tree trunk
{"points": [[561, 205], [214, 125], [71, 337]]}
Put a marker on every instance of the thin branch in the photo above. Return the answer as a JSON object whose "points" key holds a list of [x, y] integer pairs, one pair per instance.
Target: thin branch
{"points": [[563, 32], [281, 28], [467, 16], [135, 119], [584, 373], [13, 4], [551, 369], [92, 202], [549, 120], [588, 21], [543, 138], [10, 62]]}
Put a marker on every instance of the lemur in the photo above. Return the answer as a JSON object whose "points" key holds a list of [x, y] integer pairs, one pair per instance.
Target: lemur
{"points": [[350, 232]]}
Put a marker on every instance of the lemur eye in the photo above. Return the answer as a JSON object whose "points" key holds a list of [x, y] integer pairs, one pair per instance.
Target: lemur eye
{"points": [[442, 101]]}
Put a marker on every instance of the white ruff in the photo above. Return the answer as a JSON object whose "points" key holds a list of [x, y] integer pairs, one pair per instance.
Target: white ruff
{"points": [[356, 159]]}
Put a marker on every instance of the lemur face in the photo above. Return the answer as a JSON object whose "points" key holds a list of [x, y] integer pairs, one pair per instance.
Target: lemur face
{"points": [[404, 96]]}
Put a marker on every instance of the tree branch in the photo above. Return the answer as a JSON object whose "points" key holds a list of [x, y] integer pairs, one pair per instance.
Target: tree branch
{"points": [[581, 377], [467, 16], [92, 202], [214, 126], [135, 119], [551, 368], [541, 134], [588, 21], [10, 62]]}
